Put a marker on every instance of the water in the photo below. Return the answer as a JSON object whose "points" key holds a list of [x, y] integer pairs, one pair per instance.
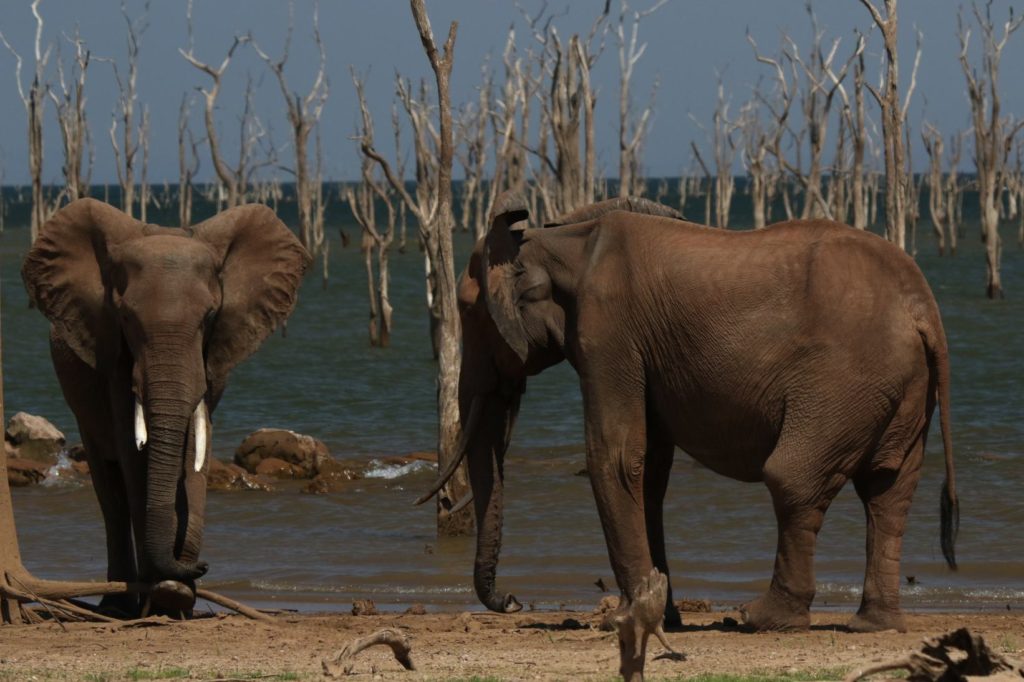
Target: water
{"points": [[368, 541]]}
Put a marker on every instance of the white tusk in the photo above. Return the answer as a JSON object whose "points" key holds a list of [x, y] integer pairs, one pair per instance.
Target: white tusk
{"points": [[201, 427], [140, 426]]}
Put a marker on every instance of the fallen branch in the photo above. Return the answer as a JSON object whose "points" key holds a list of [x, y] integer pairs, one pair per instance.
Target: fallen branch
{"points": [[343, 664], [951, 657], [229, 603]]}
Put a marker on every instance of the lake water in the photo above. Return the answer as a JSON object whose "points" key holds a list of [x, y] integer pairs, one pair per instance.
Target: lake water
{"points": [[321, 552]]}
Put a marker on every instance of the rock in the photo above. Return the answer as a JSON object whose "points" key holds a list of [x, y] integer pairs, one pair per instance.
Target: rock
{"points": [[34, 437], [228, 476], [333, 476], [416, 610], [278, 468], [22, 472], [364, 607], [306, 453], [465, 620], [693, 605], [76, 453]]}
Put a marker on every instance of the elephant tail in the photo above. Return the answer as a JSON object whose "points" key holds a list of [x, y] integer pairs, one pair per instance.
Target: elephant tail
{"points": [[949, 506]]}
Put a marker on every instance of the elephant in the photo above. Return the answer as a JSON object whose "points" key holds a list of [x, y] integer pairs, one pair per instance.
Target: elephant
{"points": [[801, 355], [146, 324]]}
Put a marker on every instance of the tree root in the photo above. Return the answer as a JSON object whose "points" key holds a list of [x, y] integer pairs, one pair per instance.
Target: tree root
{"points": [[343, 662], [19, 589], [952, 657]]}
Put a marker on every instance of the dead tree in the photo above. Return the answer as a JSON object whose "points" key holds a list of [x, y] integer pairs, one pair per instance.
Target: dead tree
{"points": [[188, 162], [632, 130], [567, 180], [125, 111], [69, 101], [708, 184], [473, 157], [304, 115], [362, 200], [993, 132], [436, 222], [233, 180], [754, 154], [933, 145], [33, 98], [723, 146], [888, 97]]}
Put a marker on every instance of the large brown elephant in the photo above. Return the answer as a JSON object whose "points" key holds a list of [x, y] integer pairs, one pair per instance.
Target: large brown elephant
{"points": [[147, 322], [802, 355]]}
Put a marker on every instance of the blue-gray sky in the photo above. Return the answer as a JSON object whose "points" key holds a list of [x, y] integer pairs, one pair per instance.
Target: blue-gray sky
{"points": [[688, 43]]}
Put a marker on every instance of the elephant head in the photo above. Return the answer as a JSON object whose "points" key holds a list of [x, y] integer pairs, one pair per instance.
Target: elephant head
{"points": [[517, 299], [165, 314]]}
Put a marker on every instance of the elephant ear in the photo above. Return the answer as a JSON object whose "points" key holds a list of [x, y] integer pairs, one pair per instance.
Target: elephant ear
{"points": [[499, 268], [262, 264], [64, 273]]}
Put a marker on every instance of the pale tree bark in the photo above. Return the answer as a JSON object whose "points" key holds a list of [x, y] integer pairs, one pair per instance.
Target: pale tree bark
{"points": [[888, 97], [993, 132], [723, 147], [124, 113], [754, 155], [74, 128], [436, 222], [779, 106], [854, 123], [33, 98], [375, 242], [934, 146], [303, 115], [953, 190], [232, 180], [188, 163], [632, 129], [566, 181]]}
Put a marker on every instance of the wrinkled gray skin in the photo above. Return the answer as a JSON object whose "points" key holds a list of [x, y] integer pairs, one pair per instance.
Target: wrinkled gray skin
{"points": [[802, 355], [156, 317]]}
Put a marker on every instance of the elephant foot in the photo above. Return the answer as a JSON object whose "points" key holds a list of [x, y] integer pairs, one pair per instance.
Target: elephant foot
{"points": [[776, 612], [637, 620], [172, 597], [673, 619], [876, 619], [120, 606]]}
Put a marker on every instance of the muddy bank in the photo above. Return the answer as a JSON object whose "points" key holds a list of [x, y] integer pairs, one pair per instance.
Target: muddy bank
{"points": [[558, 645]]}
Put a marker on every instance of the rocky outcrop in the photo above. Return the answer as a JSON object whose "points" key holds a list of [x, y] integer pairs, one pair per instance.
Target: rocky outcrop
{"points": [[35, 438], [224, 476], [296, 455]]}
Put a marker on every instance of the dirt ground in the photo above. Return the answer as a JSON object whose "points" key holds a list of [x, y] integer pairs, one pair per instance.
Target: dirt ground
{"points": [[454, 646]]}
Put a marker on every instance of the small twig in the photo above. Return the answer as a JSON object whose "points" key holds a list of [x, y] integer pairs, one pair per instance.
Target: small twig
{"points": [[229, 603], [343, 664]]}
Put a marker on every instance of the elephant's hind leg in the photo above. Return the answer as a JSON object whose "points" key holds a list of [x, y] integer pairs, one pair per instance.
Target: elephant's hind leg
{"points": [[886, 495], [802, 490]]}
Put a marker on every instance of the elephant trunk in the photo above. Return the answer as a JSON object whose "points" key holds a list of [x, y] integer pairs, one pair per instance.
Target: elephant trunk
{"points": [[169, 413], [486, 461]]}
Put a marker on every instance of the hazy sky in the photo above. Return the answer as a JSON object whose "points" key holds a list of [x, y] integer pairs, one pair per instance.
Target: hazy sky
{"points": [[689, 42]]}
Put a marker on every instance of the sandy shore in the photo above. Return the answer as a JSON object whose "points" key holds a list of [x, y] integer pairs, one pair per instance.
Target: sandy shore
{"points": [[549, 646]]}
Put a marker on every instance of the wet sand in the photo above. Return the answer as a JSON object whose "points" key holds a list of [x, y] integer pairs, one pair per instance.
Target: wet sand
{"points": [[560, 645]]}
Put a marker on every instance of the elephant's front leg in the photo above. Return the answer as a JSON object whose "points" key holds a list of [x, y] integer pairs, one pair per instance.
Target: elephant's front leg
{"points": [[616, 449], [657, 470]]}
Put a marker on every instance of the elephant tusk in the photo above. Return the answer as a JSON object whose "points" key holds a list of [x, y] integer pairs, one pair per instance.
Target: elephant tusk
{"points": [[475, 408], [201, 428], [140, 426]]}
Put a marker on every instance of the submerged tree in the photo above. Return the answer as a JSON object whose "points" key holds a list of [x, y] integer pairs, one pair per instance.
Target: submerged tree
{"points": [[993, 132], [125, 111], [69, 101], [436, 221], [33, 99]]}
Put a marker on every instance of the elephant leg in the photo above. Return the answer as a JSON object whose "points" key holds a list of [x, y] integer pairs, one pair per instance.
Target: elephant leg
{"points": [[886, 495], [616, 451], [657, 469], [801, 491]]}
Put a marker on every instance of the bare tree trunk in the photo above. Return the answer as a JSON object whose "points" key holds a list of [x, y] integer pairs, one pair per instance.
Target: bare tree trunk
{"points": [[74, 129], [33, 100], [993, 134]]}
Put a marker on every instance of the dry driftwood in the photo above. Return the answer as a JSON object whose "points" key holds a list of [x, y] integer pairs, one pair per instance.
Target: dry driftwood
{"points": [[344, 662], [954, 657]]}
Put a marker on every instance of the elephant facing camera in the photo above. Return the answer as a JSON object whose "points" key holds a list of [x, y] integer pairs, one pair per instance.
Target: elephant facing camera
{"points": [[146, 324]]}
